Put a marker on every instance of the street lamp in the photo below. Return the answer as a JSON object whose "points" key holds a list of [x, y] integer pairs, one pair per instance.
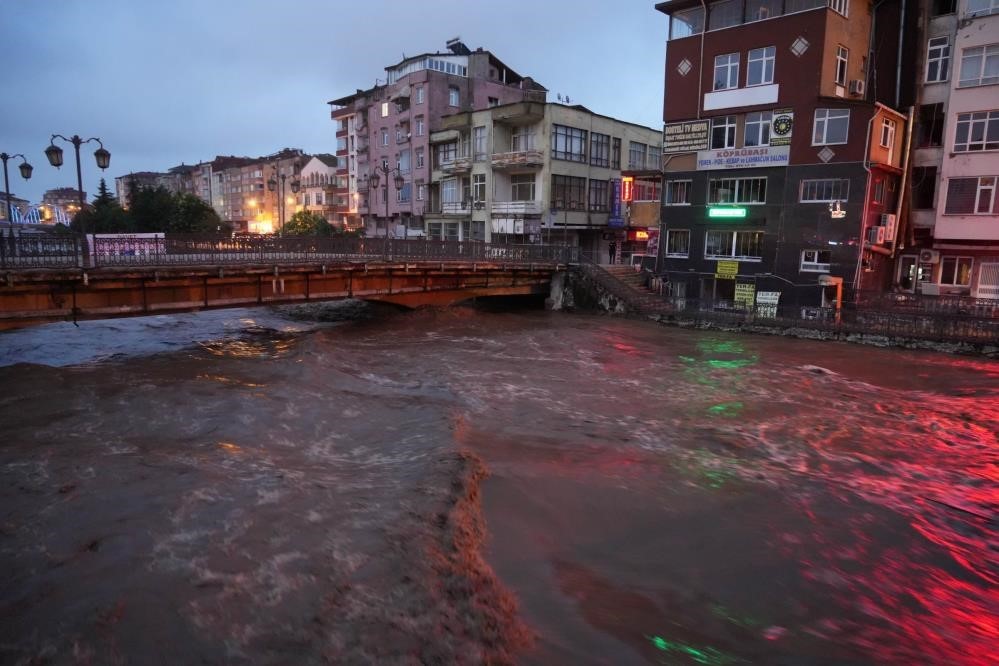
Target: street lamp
{"points": [[25, 173], [54, 155], [272, 185], [373, 181]]}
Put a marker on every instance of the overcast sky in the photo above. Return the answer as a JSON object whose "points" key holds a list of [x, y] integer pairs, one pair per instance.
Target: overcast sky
{"points": [[163, 82]]}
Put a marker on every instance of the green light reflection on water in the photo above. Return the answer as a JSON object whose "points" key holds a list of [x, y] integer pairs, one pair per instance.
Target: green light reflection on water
{"points": [[728, 409], [706, 655]]}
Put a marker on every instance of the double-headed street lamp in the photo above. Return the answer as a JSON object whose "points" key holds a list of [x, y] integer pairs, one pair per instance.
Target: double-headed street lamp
{"points": [[54, 153], [373, 181], [272, 185], [25, 173]]}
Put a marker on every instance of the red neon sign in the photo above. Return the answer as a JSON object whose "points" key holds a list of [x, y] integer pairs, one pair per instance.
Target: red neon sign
{"points": [[627, 188]]}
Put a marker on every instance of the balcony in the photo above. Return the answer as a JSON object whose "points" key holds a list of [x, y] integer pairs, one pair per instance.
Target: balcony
{"points": [[522, 113], [512, 208], [518, 159], [458, 165], [456, 208]]}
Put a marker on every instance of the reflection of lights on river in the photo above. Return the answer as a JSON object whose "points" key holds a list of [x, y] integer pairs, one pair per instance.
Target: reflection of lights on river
{"points": [[707, 655]]}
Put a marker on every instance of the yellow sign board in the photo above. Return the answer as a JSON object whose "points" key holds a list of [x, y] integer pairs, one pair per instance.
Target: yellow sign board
{"points": [[727, 270], [745, 293]]}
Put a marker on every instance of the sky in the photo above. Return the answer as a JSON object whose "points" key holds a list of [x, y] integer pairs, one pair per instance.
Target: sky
{"points": [[168, 82]]}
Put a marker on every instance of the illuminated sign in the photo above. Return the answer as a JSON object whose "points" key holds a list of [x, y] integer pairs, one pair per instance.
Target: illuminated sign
{"points": [[743, 158], [726, 212], [627, 188], [642, 235]]}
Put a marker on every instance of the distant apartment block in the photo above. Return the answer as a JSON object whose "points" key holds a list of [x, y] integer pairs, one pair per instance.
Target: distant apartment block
{"points": [[386, 130], [322, 189]]}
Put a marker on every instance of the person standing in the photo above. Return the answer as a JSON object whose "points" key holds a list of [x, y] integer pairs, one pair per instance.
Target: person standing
{"points": [[612, 252]]}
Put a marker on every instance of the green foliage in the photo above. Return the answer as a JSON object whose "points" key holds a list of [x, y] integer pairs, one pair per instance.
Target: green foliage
{"points": [[103, 216], [157, 209], [307, 223]]}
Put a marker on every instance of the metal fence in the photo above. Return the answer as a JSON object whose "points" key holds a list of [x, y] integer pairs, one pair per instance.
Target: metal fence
{"points": [[193, 250]]}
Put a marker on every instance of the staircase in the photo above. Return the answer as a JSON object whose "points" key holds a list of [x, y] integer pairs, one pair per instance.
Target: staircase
{"points": [[627, 285]]}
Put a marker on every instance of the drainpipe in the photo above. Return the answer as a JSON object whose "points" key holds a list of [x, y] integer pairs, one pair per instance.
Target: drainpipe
{"points": [[898, 58], [906, 160], [864, 245]]}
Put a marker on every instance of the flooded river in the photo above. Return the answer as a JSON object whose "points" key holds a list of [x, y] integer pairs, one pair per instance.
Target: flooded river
{"points": [[466, 486]]}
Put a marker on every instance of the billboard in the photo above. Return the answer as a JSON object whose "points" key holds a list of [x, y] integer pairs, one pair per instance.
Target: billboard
{"points": [[743, 158], [686, 137]]}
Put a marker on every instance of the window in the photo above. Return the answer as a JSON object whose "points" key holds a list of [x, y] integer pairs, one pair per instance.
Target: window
{"points": [[977, 131], [453, 96], [599, 199], [447, 153], [678, 243], [942, 7], [599, 149], [478, 187], [568, 143], [654, 158], [924, 187], [824, 190], [385, 137], [450, 192], [979, 66], [478, 143], [636, 155], [887, 133], [723, 132], [616, 154], [724, 14], [840, 6], [758, 10], [879, 192], [419, 94], [747, 245], [686, 23], [842, 59], [419, 158], [760, 66], [931, 125], [982, 7], [815, 261], [737, 191], [403, 195], [435, 230], [419, 127], [568, 192], [398, 135], [404, 161], [831, 126], [421, 192], [646, 190], [493, 101], [758, 129], [955, 271], [385, 109], [726, 71], [971, 196], [522, 139], [937, 59], [522, 187], [678, 192]]}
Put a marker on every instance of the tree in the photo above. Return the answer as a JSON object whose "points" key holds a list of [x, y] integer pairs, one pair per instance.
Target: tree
{"points": [[158, 210], [192, 215], [103, 216], [307, 223]]}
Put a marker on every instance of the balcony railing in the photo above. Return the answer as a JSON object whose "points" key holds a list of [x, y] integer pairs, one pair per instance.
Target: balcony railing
{"points": [[518, 159], [458, 165], [516, 207], [456, 208]]}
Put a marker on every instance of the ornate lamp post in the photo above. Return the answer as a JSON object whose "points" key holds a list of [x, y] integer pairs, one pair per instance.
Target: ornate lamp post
{"points": [[373, 181], [54, 155], [25, 173], [272, 185]]}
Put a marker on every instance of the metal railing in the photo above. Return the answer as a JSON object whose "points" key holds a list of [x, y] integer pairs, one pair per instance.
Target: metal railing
{"points": [[199, 250]]}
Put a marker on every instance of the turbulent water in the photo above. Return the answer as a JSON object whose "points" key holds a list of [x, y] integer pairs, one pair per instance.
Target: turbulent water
{"points": [[465, 486]]}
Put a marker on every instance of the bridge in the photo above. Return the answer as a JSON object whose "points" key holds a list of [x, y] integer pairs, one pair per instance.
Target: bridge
{"points": [[52, 278]]}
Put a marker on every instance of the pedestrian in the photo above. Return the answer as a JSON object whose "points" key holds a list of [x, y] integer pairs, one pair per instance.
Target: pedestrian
{"points": [[612, 251]]}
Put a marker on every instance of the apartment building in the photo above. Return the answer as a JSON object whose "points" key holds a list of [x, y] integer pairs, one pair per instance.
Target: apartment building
{"points": [[384, 131], [784, 147], [530, 172], [179, 179], [242, 193], [954, 236]]}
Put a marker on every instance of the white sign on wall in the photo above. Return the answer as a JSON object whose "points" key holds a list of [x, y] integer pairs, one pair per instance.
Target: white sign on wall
{"points": [[743, 158]]}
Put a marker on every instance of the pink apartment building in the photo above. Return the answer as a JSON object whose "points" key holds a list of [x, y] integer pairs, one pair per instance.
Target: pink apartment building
{"points": [[385, 131]]}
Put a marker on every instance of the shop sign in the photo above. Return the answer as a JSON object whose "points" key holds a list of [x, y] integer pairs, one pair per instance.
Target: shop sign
{"points": [[686, 137], [727, 270], [744, 293], [766, 303], [743, 158], [781, 126]]}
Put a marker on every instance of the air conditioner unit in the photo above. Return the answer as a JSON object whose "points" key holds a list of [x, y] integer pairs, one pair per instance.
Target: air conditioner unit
{"points": [[857, 87], [876, 235], [929, 257], [888, 222]]}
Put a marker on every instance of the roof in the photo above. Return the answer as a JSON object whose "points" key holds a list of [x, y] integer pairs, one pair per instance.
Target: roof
{"points": [[574, 107], [327, 159]]}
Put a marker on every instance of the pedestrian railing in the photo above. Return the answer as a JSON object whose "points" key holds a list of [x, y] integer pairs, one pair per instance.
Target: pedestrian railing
{"points": [[193, 250]]}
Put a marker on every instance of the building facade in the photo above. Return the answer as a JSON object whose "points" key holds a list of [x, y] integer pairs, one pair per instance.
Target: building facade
{"points": [[322, 189], [531, 172], [954, 236], [385, 130], [783, 154]]}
